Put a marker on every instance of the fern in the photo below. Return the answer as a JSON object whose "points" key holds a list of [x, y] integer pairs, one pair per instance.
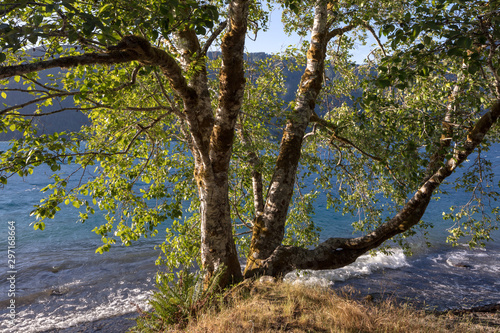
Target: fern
{"points": [[177, 302]]}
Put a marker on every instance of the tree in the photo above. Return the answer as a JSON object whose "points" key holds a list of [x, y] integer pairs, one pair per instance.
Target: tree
{"points": [[143, 73]]}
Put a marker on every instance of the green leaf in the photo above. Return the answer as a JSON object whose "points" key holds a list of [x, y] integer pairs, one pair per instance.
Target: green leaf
{"points": [[200, 30], [104, 8], [388, 29], [464, 42], [473, 68], [416, 31], [33, 38], [455, 51], [383, 83], [39, 226]]}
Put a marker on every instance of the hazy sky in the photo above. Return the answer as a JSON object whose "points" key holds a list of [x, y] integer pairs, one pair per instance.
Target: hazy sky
{"points": [[275, 40]]}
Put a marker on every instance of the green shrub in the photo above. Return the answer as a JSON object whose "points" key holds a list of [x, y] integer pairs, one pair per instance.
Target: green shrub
{"points": [[177, 302]]}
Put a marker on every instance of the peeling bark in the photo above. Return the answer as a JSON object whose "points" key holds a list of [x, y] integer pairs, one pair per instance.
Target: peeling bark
{"points": [[269, 228], [218, 246]]}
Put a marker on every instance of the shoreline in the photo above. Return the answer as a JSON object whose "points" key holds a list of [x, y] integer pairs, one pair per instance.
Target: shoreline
{"points": [[486, 315], [114, 324]]}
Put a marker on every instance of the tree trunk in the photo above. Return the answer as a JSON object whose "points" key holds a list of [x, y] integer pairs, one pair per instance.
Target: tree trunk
{"points": [[269, 228], [338, 252], [217, 241]]}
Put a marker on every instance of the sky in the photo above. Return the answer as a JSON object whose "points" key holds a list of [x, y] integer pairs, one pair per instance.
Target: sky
{"points": [[275, 40]]}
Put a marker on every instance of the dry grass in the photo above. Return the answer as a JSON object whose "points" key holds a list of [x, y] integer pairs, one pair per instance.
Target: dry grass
{"points": [[281, 307]]}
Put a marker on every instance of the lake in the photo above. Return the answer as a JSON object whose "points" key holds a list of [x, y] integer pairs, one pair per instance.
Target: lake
{"points": [[60, 280]]}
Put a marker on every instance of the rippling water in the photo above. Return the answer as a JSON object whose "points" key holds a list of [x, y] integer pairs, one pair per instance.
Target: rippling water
{"points": [[60, 281], [440, 279]]}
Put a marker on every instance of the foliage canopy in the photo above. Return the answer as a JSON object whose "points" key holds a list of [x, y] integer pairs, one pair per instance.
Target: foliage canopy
{"points": [[207, 139]]}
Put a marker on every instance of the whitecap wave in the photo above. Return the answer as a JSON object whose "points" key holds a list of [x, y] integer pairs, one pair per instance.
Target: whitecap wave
{"points": [[364, 265], [477, 259], [44, 316]]}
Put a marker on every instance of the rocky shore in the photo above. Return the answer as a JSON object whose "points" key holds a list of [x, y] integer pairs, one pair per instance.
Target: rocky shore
{"points": [[487, 316]]}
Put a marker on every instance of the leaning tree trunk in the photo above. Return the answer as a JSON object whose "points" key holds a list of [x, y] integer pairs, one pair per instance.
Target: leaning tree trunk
{"points": [[338, 252], [267, 255], [269, 227]]}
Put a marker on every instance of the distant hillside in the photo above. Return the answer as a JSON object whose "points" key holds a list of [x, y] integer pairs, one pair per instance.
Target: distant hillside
{"points": [[72, 120], [69, 121]]}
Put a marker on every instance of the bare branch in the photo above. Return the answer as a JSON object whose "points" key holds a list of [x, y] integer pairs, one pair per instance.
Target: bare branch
{"points": [[340, 31], [315, 118], [43, 114], [214, 35], [248, 224], [370, 28], [131, 108], [176, 111], [132, 81], [37, 100]]}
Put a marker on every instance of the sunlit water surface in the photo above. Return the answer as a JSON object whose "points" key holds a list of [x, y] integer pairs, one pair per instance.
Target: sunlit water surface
{"points": [[61, 281]]}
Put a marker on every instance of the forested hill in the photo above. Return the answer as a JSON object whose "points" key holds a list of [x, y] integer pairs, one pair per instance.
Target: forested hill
{"points": [[73, 120], [68, 120]]}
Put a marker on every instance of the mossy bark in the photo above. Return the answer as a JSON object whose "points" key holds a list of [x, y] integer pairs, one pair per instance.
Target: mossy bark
{"points": [[269, 228]]}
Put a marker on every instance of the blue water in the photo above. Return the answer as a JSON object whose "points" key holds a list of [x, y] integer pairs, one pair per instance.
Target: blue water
{"points": [[61, 281]]}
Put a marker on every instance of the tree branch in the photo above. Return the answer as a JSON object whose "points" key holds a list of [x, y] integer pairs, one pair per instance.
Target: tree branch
{"points": [[315, 118], [43, 114], [214, 35], [340, 31], [20, 106], [369, 27], [232, 85], [338, 252], [254, 160], [115, 57]]}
